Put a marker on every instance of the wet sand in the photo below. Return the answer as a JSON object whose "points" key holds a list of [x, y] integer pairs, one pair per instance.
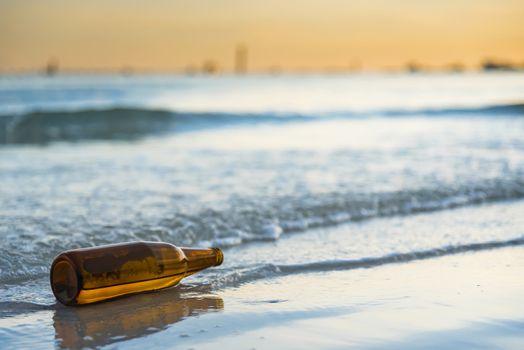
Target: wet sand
{"points": [[467, 300], [471, 300]]}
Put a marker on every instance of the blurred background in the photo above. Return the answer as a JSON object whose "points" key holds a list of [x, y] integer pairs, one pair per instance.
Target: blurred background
{"points": [[204, 36]]}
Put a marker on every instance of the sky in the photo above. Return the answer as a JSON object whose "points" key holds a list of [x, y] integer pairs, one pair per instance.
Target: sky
{"points": [[164, 35]]}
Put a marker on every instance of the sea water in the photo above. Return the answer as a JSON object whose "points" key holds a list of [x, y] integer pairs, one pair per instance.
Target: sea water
{"points": [[367, 169]]}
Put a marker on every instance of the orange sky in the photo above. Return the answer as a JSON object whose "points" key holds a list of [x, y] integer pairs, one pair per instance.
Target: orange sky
{"points": [[300, 34]]}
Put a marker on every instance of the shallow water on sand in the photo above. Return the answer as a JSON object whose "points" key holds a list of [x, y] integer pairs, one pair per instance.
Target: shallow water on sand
{"points": [[193, 189], [468, 300]]}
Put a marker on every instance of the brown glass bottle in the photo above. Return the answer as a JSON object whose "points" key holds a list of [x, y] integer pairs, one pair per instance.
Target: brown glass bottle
{"points": [[89, 275]]}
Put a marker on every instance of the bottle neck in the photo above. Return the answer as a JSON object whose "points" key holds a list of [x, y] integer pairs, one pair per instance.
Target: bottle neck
{"points": [[199, 259]]}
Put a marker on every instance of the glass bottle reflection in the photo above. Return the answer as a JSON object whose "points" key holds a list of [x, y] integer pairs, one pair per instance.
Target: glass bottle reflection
{"points": [[127, 318]]}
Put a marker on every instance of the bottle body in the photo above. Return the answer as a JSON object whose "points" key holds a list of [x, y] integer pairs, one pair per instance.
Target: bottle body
{"points": [[89, 275]]}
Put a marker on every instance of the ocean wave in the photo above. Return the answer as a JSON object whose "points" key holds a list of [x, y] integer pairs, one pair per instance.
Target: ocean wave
{"points": [[235, 227], [237, 276], [502, 109], [242, 223], [42, 127]]}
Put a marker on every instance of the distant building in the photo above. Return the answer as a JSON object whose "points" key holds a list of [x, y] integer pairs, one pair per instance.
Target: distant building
{"points": [[51, 68], [492, 65], [455, 67], [413, 67], [241, 59], [210, 67]]}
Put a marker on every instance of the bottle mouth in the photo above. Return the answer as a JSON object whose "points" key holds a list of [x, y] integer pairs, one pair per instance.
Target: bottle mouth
{"points": [[64, 281], [220, 256]]}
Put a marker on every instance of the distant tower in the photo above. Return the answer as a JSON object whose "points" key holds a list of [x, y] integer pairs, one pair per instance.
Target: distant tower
{"points": [[210, 67], [52, 67], [241, 59], [413, 67]]}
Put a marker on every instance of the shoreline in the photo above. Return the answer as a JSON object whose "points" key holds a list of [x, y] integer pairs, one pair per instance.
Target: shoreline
{"points": [[469, 300], [439, 302]]}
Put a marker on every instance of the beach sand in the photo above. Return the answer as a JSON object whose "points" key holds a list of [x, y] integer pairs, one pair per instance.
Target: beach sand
{"points": [[467, 300], [471, 300]]}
